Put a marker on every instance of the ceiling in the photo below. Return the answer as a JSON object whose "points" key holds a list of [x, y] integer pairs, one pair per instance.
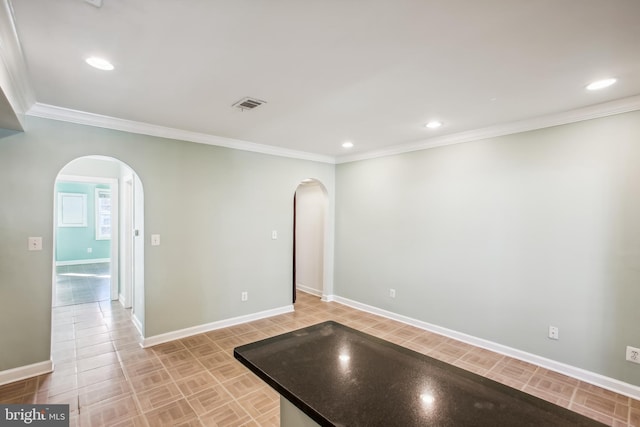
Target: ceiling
{"points": [[369, 71]]}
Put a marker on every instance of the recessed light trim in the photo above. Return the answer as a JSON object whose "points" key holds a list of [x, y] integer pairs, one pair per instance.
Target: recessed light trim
{"points": [[347, 144], [601, 84], [100, 63], [434, 124]]}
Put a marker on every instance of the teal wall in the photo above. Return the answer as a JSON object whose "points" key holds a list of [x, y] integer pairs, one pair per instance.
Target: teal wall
{"points": [[213, 207], [72, 242]]}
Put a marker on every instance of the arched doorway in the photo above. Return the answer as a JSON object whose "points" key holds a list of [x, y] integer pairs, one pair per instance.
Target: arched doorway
{"points": [[310, 203], [98, 235]]}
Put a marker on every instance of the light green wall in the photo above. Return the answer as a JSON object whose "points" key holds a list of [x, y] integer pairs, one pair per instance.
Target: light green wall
{"points": [[213, 207], [72, 242], [497, 239], [503, 237]]}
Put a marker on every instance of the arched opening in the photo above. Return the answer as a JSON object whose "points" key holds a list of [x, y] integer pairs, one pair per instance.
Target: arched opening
{"points": [[309, 237], [98, 243]]}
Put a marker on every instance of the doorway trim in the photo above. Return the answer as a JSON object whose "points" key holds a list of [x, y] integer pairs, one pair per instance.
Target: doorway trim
{"points": [[125, 172]]}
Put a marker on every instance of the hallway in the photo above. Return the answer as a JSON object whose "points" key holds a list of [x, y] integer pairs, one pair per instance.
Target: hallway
{"points": [[82, 283]]}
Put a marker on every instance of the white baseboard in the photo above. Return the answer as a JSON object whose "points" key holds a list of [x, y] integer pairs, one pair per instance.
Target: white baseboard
{"points": [[83, 261], [308, 290], [599, 380], [328, 298], [123, 302], [194, 330], [24, 372], [137, 323]]}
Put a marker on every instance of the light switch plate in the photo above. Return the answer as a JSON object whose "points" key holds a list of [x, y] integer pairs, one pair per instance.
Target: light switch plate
{"points": [[274, 234], [35, 243], [155, 240]]}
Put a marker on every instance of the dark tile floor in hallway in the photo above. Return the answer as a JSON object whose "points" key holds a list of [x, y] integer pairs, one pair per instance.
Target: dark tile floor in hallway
{"points": [[83, 283], [109, 380]]}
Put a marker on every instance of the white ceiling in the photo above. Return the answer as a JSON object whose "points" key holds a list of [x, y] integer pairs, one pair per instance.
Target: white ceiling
{"points": [[369, 71]]}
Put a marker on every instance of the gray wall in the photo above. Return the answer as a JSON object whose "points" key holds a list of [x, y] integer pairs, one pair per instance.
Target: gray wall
{"points": [[503, 237], [213, 207]]}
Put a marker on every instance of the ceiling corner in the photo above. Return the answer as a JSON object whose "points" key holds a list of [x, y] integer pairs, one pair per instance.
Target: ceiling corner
{"points": [[14, 78]]}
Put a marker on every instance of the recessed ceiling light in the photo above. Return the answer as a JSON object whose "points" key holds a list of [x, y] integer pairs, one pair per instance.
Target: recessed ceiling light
{"points": [[100, 63], [601, 84], [347, 144], [434, 124]]}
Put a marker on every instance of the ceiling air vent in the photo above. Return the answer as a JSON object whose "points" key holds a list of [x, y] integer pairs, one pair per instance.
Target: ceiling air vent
{"points": [[248, 103], [96, 3]]}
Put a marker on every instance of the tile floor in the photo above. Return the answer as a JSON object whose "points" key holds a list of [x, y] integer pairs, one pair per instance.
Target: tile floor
{"points": [[107, 379], [80, 284]]}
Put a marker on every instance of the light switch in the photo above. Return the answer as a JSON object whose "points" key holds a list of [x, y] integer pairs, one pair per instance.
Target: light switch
{"points": [[35, 243], [274, 234], [155, 240]]}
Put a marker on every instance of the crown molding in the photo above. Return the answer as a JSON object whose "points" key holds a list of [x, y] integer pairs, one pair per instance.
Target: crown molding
{"points": [[618, 106], [90, 119], [14, 80]]}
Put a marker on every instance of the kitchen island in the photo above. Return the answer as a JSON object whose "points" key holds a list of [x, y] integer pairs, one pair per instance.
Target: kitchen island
{"points": [[331, 375]]}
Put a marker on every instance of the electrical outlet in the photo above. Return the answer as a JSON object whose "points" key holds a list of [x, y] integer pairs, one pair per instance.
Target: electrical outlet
{"points": [[89, 250], [244, 296], [554, 333], [392, 293], [633, 354], [35, 243]]}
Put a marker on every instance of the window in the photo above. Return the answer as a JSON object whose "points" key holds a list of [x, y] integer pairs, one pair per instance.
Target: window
{"points": [[72, 210], [103, 214]]}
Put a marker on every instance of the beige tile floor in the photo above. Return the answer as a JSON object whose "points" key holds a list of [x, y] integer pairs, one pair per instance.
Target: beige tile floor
{"points": [[107, 379]]}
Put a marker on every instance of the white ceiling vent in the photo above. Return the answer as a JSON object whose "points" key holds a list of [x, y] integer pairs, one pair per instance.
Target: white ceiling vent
{"points": [[96, 3], [248, 103]]}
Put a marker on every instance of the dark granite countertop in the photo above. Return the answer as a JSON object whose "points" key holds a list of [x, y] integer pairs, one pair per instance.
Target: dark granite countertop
{"points": [[342, 377]]}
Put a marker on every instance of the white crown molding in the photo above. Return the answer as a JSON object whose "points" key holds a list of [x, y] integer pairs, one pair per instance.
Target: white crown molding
{"points": [[195, 330], [618, 106], [13, 68], [599, 380], [80, 117]]}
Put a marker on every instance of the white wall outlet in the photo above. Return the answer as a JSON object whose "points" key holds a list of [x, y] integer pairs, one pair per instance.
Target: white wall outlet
{"points": [[244, 296], [633, 354], [35, 243], [274, 234], [554, 333], [89, 250], [392, 293], [155, 240]]}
